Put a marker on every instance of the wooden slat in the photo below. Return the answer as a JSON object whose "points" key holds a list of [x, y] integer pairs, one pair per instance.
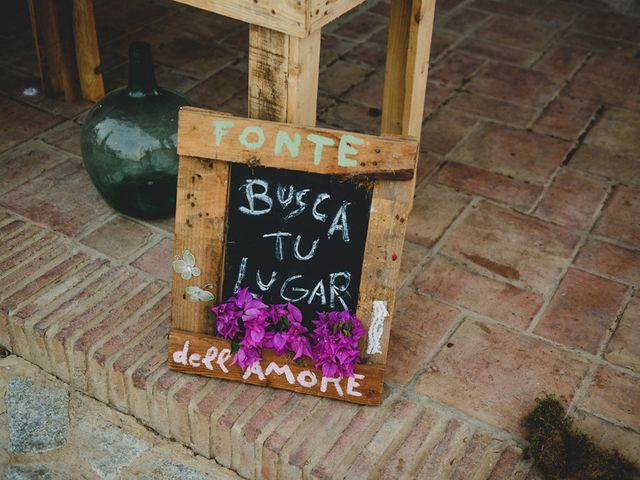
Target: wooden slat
{"points": [[87, 51], [298, 18], [408, 47], [377, 157], [369, 387], [200, 228], [302, 79]]}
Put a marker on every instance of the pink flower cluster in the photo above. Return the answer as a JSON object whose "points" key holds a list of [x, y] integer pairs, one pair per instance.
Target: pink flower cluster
{"points": [[252, 325]]}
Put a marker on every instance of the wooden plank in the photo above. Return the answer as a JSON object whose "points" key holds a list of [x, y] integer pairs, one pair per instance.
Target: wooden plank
{"points": [[286, 16], [206, 134], [87, 51], [298, 18], [188, 350], [409, 42], [283, 76], [200, 228]]}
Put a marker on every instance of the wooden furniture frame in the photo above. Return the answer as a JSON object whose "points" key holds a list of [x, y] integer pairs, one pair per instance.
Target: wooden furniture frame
{"points": [[202, 222], [283, 85]]}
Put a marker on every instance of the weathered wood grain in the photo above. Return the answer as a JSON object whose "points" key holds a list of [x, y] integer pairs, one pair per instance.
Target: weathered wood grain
{"points": [[200, 228], [87, 51], [369, 387], [380, 157]]}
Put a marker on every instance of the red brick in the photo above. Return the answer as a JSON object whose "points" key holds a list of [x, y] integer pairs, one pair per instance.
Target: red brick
{"points": [[466, 20], [610, 24], [419, 324], [404, 413], [476, 446], [269, 454], [341, 76], [18, 236], [609, 436], [481, 182], [498, 300], [506, 464], [455, 69], [565, 118], [247, 440], [614, 395], [498, 53], [403, 459], [512, 8], [179, 408], [165, 384], [222, 426], [412, 256], [19, 122], [520, 154], [26, 162], [573, 199], [617, 131], [515, 84], [436, 96], [348, 443], [332, 48], [219, 88], [219, 394], [444, 131], [25, 258], [133, 310], [601, 161], [440, 461], [493, 109], [355, 118], [157, 260], [62, 198], [525, 34], [494, 374], [624, 348], [612, 260], [598, 44], [434, 208], [139, 377], [440, 42], [369, 53], [561, 60], [360, 26], [527, 249], [619, 219], [118, 238], [368, 92], [65, 137], [608, 79], [581, 311]]}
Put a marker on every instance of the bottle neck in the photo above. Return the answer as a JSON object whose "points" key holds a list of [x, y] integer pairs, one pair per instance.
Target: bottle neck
{"points": [[142, 78]]}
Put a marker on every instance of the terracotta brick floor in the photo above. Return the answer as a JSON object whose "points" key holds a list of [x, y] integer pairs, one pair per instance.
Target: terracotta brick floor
{"points": [[521, 268]]}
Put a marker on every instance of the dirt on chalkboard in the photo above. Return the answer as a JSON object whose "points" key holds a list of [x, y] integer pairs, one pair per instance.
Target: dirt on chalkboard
{"points": [[559, 451]]}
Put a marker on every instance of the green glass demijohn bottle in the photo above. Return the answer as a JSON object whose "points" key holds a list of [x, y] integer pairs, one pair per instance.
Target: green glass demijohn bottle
{"points": [[129, 142]]}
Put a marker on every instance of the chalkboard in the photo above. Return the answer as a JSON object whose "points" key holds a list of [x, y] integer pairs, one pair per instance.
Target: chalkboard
{"points": [[296, 237]]}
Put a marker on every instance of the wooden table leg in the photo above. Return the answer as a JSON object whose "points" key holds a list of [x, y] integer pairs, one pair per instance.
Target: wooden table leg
{"points": [[405, 82], [67, 47], [87, 51], [283, 76]]}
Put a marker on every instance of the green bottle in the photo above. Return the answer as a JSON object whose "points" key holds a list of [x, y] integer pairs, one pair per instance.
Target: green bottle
{"points": [[129, 142]]}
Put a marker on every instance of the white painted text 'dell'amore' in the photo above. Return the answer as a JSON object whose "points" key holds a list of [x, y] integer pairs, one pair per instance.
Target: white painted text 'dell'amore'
{"points": [[220, 360]]}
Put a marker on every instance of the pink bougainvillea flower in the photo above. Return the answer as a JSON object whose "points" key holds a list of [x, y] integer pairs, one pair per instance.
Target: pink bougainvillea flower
{"points": [[336, 339]]}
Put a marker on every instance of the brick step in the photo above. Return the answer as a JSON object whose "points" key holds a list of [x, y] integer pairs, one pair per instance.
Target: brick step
{"points": [[103, 329]]}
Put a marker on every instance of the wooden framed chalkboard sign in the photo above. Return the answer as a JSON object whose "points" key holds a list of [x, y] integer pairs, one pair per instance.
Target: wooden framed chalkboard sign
{"points": [[287, 253]]}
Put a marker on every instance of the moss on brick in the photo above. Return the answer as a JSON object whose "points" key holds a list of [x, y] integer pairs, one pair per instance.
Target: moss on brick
{"points": [[561, 452]]}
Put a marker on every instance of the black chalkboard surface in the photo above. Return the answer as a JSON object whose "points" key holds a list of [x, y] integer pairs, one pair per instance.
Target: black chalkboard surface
{"points": [[296, 237]]}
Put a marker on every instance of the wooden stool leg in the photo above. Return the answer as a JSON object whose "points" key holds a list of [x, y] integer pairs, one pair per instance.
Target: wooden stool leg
{"points": [[87, 51], [283, 76]]}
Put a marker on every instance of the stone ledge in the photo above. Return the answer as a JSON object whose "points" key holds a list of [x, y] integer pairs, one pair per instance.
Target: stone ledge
{"points": [[102, 328]]}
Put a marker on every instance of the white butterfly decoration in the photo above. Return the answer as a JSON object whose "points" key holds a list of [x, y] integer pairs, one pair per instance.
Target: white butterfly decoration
{"points": [[198, 295], [186, 266]]}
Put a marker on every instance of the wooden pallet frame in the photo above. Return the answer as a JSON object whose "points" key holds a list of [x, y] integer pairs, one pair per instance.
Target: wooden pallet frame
{"points": [[283, 84]]}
